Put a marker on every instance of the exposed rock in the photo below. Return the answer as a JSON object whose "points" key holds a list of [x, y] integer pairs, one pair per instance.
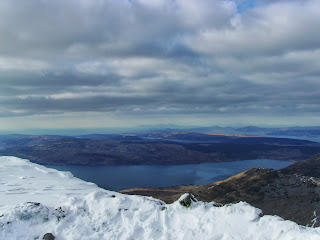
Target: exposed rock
{"points": [[48, 236], [293, 197], [186, 200]]}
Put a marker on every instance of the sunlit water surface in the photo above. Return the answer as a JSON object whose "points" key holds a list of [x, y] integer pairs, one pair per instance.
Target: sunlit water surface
{"points": [[131, 176]]}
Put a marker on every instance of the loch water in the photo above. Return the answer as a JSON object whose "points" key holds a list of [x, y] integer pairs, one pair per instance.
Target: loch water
{"points": [[117, 178]]}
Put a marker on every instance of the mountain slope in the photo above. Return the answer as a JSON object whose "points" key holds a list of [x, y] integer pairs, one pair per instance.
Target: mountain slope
{"points": [[309, 167], [69, 208], [292, 197]]}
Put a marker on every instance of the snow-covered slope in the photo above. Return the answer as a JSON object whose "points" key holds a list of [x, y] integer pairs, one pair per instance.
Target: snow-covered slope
{"points": [[35, 200]]}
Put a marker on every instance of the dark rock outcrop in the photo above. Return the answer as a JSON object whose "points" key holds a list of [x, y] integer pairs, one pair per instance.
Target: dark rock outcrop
{"points": [[48, 236], [187, 200]]}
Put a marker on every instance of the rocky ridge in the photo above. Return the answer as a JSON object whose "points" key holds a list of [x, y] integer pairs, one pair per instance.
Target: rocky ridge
{"points": [[309, 167], [290, 196]]}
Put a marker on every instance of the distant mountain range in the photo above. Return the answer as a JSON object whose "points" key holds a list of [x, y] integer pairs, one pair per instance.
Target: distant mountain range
{"points": [[298, 131], [306, 132], [188, 136]]}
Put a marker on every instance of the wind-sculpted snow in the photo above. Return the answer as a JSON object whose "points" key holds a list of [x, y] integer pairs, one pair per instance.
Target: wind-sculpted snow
{"points": [[48, 201], [22, 181]]}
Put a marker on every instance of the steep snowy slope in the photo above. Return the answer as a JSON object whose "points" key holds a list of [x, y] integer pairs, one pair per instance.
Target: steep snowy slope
{"points": [[35, 200]]}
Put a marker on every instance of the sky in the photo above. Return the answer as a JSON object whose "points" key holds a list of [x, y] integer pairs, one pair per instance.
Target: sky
{"points": [[124, 63]]}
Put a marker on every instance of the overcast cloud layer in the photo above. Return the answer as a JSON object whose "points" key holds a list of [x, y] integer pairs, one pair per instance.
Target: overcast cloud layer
{"points": [[83, 63]]}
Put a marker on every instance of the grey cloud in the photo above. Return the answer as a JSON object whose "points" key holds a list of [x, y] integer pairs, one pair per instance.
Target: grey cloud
{"points": [[34, 28], [177, 96], [10, 114], [101, 103], [175, 57], [60, 80]]}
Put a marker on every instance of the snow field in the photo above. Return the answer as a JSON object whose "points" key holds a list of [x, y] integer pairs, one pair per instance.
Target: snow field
{"points": [[70, 208]]}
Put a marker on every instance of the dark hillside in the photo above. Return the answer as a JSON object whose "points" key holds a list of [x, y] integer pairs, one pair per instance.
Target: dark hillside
{"points": [[110, 150], [309, 167], [293, 197]]}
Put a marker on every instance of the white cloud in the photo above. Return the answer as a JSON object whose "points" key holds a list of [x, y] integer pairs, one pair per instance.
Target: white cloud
{"points": [[22, 64], [188, 56], [270, 30]]}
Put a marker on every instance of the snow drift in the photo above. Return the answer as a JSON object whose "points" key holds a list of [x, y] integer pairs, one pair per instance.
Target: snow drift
{"points": [[35, 200]]}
